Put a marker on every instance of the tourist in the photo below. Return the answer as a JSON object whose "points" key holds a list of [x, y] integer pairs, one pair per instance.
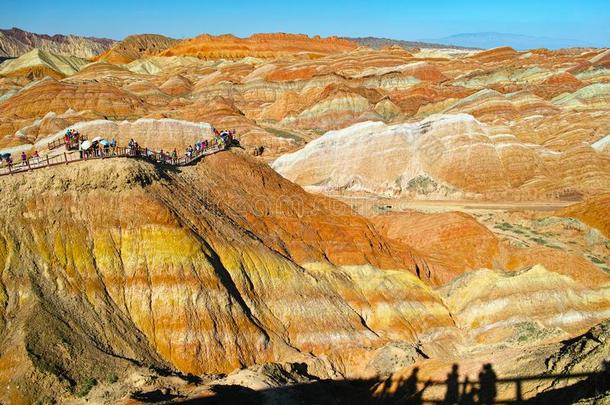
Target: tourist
{"points": [[24, 158], [113, 145], [35, 157], [174, 156]]}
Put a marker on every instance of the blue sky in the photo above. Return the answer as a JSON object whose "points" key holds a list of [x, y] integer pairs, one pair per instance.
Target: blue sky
{"points": [[585, 20]]}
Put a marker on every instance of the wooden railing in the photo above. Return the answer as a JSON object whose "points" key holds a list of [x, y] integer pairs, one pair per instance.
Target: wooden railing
{"points": [[70, 145], [107, 153]]}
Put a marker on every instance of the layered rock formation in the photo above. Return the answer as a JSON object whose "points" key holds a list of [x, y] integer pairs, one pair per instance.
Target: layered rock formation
{"points": [[37, 64], [57, 96], [135, 47], [446, 156], [594, 212], [15, 42], [166, 134], [224, 265], [118, 270], [258, 45], [277, 87], [209, 301]]}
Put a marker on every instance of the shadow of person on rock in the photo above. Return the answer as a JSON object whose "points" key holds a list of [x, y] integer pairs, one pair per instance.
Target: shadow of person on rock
{"points": [[407, 392], [408, 388], [487, 382], [469, 396], [453, 386]]}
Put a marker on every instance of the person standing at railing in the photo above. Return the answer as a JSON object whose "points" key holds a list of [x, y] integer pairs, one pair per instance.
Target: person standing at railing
{"points": [[24, 158], [174, 156], [113, 145]]}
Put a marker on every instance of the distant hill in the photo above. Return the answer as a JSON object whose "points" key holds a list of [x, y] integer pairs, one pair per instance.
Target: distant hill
{"points": [[137, 46], [15, 42], [377, 43], [264, 45], [37, 64], [486, 40]]}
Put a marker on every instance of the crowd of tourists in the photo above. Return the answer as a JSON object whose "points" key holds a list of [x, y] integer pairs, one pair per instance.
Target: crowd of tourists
{"points": [[100, 147], [6, 159], [72, 139]]}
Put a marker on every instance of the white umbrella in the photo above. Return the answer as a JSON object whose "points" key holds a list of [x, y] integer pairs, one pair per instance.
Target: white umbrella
{"points": [[85, 145], [97, 139]]}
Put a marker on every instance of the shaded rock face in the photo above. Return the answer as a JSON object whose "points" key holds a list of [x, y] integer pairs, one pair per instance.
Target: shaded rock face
{"points": [[176, 271], [15, 42], [452, 154]]}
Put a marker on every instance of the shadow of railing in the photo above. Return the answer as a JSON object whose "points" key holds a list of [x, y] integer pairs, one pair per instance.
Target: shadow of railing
{"points": [[555, 389]]}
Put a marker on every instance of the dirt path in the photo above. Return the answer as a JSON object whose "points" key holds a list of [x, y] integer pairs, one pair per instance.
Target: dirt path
{"points": [[369, 206]]}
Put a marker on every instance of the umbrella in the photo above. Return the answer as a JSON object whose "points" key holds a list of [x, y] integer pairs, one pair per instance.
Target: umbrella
{"points": [[6, 155], [85, 145], [96, 139], [104, 142]]}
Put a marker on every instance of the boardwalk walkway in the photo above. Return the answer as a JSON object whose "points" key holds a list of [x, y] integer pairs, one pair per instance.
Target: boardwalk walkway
{"points": [[141, 153]]}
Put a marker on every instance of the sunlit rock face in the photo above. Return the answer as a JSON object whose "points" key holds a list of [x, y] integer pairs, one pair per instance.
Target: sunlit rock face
{"points": [[135, 47], [15, 42], [156, 134], [593, 211], [447, 156], [286, 90], [258, 45], [177, 270], [58, 96], [38, 64], [457, 243], [494, 306], [120, 265], [225, 264]]}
